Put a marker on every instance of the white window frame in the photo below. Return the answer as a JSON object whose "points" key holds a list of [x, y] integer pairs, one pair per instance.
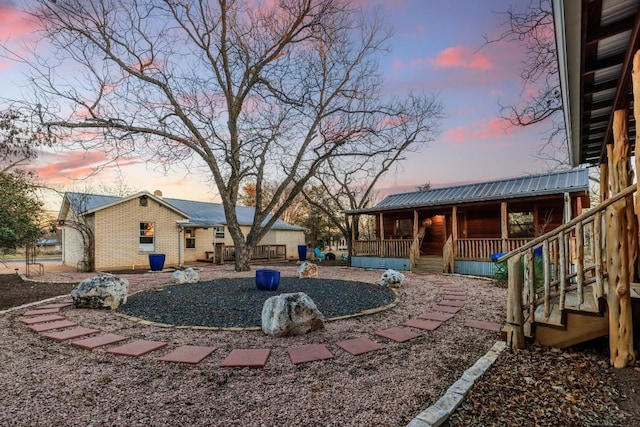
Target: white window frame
{"points": [[218, 232], [146, 246], [189, 235]]}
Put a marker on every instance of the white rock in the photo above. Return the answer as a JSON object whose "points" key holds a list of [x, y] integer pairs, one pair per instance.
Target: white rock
{"points": [[307, 269], [103, 291], [290, 314], [188, 275], [391, 277]]}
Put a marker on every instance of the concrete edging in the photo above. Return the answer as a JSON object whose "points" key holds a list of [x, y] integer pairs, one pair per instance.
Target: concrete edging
{"points": [[440, 411]]}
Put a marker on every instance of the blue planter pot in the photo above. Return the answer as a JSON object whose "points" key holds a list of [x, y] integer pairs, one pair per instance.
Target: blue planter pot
{"points": [[156, 262], [302, 252], [267, 280]]}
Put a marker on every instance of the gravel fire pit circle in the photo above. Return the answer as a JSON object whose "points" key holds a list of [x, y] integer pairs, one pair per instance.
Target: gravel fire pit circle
{"points": [[229, 303]]}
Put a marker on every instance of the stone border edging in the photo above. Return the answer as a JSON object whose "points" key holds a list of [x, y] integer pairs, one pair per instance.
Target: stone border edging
{"points": [[440, 411]]}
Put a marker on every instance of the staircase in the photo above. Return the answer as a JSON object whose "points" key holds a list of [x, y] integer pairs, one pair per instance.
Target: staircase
{"points": [[428, 264], [560, 298]]}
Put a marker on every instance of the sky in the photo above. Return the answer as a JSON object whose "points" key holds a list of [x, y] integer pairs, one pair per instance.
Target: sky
{"points": [[438, 47]]}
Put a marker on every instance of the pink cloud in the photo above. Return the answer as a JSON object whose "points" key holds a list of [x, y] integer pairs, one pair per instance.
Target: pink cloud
{"points": [[460, 56], [14, 22], [493, 129]]}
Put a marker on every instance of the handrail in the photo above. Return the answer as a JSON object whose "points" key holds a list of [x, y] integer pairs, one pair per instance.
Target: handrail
{"points": [[602, 206]]}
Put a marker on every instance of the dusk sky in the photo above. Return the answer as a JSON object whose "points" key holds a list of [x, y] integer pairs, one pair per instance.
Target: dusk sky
{"points": [[437, 47]]}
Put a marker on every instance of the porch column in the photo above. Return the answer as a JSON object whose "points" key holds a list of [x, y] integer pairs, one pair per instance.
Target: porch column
{"points": [[567, 207], [622, 242], [382, 251], [454, 229], [415, 223], [504, 227]]}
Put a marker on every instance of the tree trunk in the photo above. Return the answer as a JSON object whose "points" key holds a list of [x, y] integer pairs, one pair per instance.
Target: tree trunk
{"points": [[243, 255]]}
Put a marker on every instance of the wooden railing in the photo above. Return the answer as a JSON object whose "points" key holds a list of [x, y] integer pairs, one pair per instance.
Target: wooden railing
{"points": [[387, 248], [259, 252], [483, 248], [566, 259]]}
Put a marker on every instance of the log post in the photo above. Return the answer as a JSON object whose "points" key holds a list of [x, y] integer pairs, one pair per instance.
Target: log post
{"points": [[515, 319], [504, 226], [620, 256]]}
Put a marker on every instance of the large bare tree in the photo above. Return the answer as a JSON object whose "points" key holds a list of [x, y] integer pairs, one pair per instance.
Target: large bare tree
{"points": [[242, 91]]}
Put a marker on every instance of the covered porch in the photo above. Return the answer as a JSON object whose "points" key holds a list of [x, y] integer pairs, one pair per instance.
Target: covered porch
{"points": [[459, 229]]}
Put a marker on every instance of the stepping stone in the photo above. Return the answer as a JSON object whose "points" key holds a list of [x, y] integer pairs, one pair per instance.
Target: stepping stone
{"points": [[55, 305], [40, 319], [359, 346], [99, 341], [429, 325], [192, 354], [447, 309], [42, 311], [246, 358], [453, 290], [137, 348], [440, 317], [452, 303], [398, 334], [454, 297], [69, 334], [479, 324], [309, 353], [43, 327]]}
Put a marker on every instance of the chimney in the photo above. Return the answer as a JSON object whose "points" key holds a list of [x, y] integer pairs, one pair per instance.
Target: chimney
{"points": [[158, 193]]}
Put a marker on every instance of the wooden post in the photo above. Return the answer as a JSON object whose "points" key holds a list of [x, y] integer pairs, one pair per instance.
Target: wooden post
{"points": [[515, 319], [620, 256], [604, 182], [504, 226], [454, 229]]}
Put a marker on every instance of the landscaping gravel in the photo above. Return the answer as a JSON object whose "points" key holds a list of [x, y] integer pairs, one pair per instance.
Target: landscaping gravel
{"points": [[238, 303]]}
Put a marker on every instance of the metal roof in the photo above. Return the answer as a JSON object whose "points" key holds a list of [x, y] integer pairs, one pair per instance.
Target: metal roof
{"points": [[596, 41], [526, 186], [202, 214]]}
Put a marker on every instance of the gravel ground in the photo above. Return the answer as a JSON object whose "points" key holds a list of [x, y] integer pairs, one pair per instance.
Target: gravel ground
{"points": [[47, 383], [237, 302]]}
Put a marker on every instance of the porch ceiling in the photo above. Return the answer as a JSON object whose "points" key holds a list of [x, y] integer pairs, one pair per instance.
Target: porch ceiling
{"points": [[596, 41]]}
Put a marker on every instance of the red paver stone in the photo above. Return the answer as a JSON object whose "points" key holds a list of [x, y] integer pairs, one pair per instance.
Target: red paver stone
{"points": [[309, 353], [137, 348], [359, 346], [451, 303], [41, 319], [429, 325], [452, 289], [398, 334], [447, 309], [440, 317], [59, 324], [246, 358], [192, 354], [55, 305], [69, 334], [490, 326], [456, 297], [99, 341], [42, 311]]}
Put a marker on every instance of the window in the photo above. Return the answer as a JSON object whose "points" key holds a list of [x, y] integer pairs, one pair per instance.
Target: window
{"points": [[521, 225], [219, 232], [146, 237], [403, 228], [189, 238]]}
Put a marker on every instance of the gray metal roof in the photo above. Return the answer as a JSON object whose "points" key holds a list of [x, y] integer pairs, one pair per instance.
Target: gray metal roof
{"points": [[526, 186], [201, 214]]}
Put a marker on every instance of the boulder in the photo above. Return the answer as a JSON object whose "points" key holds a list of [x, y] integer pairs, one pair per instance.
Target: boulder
{"points": [[290, 314], [391, 278], [307, 269], [102, 291], [188, 275]]}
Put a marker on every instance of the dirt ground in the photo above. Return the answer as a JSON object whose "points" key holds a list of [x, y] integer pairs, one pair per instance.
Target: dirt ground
{"points": [[536, 386]]}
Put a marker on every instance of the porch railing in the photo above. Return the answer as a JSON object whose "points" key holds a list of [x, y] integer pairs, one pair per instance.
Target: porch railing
{"points": [[483, 248], [259, 252], [388, 248], [559, 264]]}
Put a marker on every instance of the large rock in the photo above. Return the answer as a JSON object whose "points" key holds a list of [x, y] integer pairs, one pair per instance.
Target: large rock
{"points": [[307, 269], [102, 291], [188, 275], [290, 314], [391, 278]]}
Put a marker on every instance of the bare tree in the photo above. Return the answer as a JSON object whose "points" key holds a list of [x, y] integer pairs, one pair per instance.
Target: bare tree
{"points": [[246, 91], [344, 184], [531, 26]]}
